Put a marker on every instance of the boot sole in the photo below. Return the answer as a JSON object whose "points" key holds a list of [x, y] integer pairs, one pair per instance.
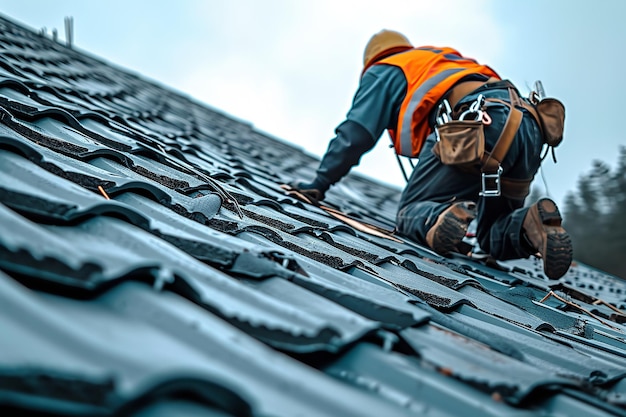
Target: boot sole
{"points": [[446, 235], [557, 250]]}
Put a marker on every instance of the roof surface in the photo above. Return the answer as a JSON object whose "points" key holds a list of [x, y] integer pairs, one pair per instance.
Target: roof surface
{"points": [[151, 265]]}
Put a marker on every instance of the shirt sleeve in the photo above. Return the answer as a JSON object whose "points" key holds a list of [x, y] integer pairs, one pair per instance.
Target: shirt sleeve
{"points": [[375, 107], [377, 102]]}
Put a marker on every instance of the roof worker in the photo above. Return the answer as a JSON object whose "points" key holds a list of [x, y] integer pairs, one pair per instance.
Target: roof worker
{"points": [[418, 94]]}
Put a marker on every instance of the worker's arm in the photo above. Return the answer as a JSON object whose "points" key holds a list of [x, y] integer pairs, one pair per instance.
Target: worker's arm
{"points": [[375, 108]]}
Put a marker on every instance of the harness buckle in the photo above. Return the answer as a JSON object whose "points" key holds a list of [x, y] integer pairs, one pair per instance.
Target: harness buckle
{"points": [[491, 184]]}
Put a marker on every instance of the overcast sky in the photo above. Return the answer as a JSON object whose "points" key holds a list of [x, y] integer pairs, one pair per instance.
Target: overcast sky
{"points": [[291, 67]]}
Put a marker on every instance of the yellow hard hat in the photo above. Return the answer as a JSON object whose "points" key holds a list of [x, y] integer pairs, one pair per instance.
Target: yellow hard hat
{"points": [[384, 43]]}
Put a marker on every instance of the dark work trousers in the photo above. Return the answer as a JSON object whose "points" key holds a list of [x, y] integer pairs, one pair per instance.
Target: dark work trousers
{"points": [[433, 186]]}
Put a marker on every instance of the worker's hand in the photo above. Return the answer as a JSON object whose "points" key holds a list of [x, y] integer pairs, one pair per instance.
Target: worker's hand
{"points": [[308, 192]]}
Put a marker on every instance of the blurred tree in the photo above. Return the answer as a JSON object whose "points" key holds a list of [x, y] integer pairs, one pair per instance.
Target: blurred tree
{"points": [[594, 217]]}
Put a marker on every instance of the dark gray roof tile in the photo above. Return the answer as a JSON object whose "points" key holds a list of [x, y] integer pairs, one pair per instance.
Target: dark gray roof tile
{"points": [[201, 286], [183, 350], [376, 301], [432, 292], [487, 370], [550, 354], [502, 309], [30, 189], [422, 388]]}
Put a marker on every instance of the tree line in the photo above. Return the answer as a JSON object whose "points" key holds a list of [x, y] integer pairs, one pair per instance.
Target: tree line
{"points": [[594, 216]]}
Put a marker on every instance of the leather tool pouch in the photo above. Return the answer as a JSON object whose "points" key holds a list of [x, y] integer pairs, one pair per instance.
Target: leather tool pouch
{"points": [[460, 143], [551, 114]]}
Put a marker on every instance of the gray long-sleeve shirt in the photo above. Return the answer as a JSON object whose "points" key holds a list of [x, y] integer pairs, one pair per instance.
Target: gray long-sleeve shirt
{"points": [[375, 107]]}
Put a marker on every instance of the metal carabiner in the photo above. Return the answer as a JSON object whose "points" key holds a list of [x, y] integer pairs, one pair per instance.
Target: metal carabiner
{"points": [[469, 114], [444, 113], [480, 101], [474, 110]]}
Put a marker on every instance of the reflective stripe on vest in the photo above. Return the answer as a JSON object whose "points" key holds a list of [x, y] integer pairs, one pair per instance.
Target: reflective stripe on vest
{"points": [[406, 135], [430, 73]]}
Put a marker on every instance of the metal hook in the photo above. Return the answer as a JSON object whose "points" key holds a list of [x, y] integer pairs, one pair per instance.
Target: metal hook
{"points": [[444, 113], [474, 112]]}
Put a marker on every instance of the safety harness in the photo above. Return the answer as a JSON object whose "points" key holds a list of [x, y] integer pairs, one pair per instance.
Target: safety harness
{"points": [[549, 114]]}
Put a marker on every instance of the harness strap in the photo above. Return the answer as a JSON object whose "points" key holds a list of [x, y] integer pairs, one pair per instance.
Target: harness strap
{"points": [[406, 177], [456, 93], [492, 162], [515, 189], [462, 89], [533, 112]]}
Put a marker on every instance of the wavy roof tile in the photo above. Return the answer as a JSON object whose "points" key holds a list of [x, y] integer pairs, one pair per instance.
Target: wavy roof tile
{"points": [[151, 265]]}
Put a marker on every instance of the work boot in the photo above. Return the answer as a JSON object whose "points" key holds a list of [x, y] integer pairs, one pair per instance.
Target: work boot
{"points": [[450, 228], [543, 231]]}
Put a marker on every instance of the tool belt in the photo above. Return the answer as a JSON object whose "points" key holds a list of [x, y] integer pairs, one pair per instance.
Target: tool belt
{"points": [[461, 139]]}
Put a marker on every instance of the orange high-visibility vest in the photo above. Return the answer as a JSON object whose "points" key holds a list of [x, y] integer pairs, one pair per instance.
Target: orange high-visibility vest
{"points": [[430, 72]]}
